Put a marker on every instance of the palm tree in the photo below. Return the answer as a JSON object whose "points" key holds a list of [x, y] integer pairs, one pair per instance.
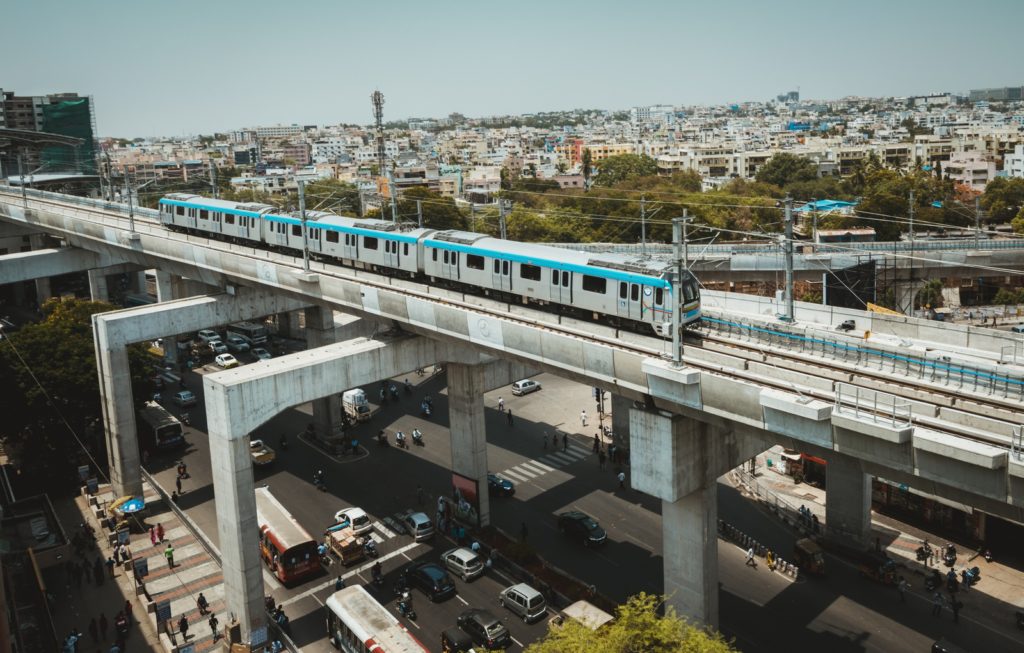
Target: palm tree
{"points": [[587, 161]]}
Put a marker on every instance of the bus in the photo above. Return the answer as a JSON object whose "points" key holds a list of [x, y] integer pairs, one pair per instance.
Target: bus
{"points": [[252, 333], [285, 546], [356, 623], [159, 428]]}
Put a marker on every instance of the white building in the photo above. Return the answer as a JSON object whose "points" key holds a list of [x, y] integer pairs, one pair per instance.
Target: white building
{"points": [[1013, 163], [278, 131]]}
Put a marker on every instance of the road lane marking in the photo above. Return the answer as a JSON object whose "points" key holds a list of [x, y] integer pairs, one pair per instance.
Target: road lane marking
{"points": [[525, 471], [329, 583], [387, 532], [546, 468], [461, 599], [517, 477]]}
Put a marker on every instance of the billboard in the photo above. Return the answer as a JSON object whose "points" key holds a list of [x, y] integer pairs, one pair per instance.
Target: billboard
{"points": [[467, 499]]}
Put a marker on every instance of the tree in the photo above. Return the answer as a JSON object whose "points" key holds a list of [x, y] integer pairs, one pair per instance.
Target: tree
{"points": [[624, 167], [1003, 198], [1018, 223], [930, 296], [785, 168], [439, 212], [588, 163], [637, 627]]}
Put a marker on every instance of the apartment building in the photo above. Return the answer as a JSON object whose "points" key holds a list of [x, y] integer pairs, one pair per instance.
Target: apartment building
{"points": [[277, 131], [973, 169], [1013, 163]]}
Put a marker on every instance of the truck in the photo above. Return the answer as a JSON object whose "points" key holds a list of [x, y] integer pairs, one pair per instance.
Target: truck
{"points": [[261, 453], [355, 405]]}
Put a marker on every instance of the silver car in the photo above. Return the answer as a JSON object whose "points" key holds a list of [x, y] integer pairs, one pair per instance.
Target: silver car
{"points": [[525, 387]]}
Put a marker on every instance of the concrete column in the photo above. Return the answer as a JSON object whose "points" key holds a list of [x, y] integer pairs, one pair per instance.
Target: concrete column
{"points": [[678, 460], [43, 290], [237, 524], [98, 286], [139, 279], [320, 331], [288, 325], [118, 412], [466, 387], [847, 501], [620, 419], [165, 283]]}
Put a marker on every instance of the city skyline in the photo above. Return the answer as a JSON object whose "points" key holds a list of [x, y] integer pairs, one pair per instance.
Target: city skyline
{"points": [[191, 68]]}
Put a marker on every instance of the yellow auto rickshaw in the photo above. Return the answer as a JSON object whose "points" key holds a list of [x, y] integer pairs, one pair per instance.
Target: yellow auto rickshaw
{"points": [[809, 557]]}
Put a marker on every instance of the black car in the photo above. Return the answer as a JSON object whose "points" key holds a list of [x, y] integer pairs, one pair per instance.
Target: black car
{"points": [[485, 629], [432, 579], [580, 525], [500, 486]]}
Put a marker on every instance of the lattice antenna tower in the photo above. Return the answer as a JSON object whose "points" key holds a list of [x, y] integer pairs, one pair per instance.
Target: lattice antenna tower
{"points": [[377, 98]]}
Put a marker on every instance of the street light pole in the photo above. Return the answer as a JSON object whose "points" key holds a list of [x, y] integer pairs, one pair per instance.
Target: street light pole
{"points": [[789, 259], [302, 216], [131, 208]]}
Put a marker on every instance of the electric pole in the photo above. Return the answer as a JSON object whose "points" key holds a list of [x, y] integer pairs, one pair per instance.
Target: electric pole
{"points": [[419, 213], [502, 208], [131, 209], [686, 245], [391, 191], [788, 245], [977, 222], [213, 179], [814, 219], [643, 225], [910, 310], [21, 174], [678, 240], [302, 217], [472, 217]]}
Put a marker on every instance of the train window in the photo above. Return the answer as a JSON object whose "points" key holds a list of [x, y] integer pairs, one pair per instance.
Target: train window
{"points": [[369, 242], [623, 289], [594, 284], [689, 291], [434, 252], [634, 292], [554, 277], [531, 272], [504, 268], [474, 262], [446, 257], [204, 214], [497, 266], [332, 236], [659, 296], [181, 210], [229, 219], [565, 279], [296, 230], [405, 249]]}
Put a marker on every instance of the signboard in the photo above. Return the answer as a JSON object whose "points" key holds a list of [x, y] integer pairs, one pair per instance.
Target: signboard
{"points": [[141, 567], [123, 536], [258, 636], [83, 473], [163, 611], [467, 501], [92, 485]]}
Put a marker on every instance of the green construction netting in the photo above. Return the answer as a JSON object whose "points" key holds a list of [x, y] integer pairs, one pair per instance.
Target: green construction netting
{"points": [[70, 118]]}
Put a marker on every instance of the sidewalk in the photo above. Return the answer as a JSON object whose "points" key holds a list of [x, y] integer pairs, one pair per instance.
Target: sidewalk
{"points": [[991, 602], [194, 572]]}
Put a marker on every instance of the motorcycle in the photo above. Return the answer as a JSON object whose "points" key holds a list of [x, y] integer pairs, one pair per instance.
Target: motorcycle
{"points": [[370, 548], [924, 552], [400, 440], [417, 437], [318, 480], [1020, 619], [186, 420], [405, 606], [933, 582], [949, 555], [378, 576], [121, 625], [425, 409], [382, 439], [394, 392], [408, 387], [971, 576]]}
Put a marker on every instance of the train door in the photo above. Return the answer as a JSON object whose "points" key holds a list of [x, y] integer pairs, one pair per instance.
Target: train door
{"points": [[561, 286], [630, 301], [449, 264], [391, 253], [501, 275], [350, 247]]}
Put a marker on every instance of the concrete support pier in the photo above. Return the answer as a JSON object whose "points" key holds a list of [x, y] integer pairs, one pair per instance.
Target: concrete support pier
{"points": [[43, 289], [320, 331], [690, 543], [847, 501], [466, 387], [98, 291], [165, 285]]}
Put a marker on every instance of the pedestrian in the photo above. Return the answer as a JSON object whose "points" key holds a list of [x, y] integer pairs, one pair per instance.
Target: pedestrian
{"points": [[565, 441], [183, 627], [152, 535], [169, 554], [937, 605], [902, 587], [126, 553], [110, 565], [202, 604], [93, 630], [544, 440], [509, 416], [750, 558], [583, 417], [955, 605], [103, 626], [966, 581], [601, 458], [160, 532], [213, 627], [523, 532], [177, 484], [128, 611], [622, 480], [597, 443], [174, 495], [501, 405]]}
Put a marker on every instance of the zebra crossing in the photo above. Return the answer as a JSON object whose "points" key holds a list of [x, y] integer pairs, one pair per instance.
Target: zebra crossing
{"points": [[531, 469], [385, 533]]}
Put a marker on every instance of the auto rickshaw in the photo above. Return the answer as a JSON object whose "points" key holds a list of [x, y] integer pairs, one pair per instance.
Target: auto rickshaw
{"points": [[878, 567], [809, 556], [453, 640]]}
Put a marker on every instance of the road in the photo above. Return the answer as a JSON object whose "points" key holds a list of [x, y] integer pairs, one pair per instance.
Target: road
{"points": [[761, 610]]}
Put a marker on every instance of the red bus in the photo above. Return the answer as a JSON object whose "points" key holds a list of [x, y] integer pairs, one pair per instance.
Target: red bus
{"points": [[286, 547]]}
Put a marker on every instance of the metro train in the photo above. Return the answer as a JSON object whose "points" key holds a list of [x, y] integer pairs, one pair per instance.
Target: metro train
{"points": [[621, 290]]}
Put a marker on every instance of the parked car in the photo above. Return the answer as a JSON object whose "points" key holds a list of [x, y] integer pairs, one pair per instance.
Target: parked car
{"points": [[419, 526], [432, 580], [361, 522], [217, 347], [463, 562], [485, 629], [580, 525], [184, 398], [206, 335], [1018, 328], [236, 344], [500, 486], [525, 387], [261, 354], [227, 361], [261, 453], [524, 601]]}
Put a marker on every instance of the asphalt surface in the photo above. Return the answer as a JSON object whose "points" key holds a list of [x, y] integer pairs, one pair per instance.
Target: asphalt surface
{"points": [[759, 609]]}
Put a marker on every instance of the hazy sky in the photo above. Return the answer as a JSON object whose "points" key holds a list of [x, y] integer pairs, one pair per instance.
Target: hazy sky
{"points": [[195, 66]]}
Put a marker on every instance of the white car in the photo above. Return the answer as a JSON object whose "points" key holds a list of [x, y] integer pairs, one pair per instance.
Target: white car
{"points": [[236, 344], [261, 354], [525, 387], [227, 361], [206, 335], [357, 517], [217, 347]]}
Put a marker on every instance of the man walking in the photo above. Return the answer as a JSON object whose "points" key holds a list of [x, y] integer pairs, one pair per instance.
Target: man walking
{"points": [[213, 627], [501, 405], [750, 558], [622, 480], [937, 605], [583, 417], [177, 484], [544, 440], [902, 587], [183, 627], [169, 554]]}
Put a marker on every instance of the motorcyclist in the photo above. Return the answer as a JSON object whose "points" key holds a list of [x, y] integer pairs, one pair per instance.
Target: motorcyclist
{"points": [[377, 571], [318, 478], [408, 386], [400, 438], [283, 441], [417, 434], [321, 549]]}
